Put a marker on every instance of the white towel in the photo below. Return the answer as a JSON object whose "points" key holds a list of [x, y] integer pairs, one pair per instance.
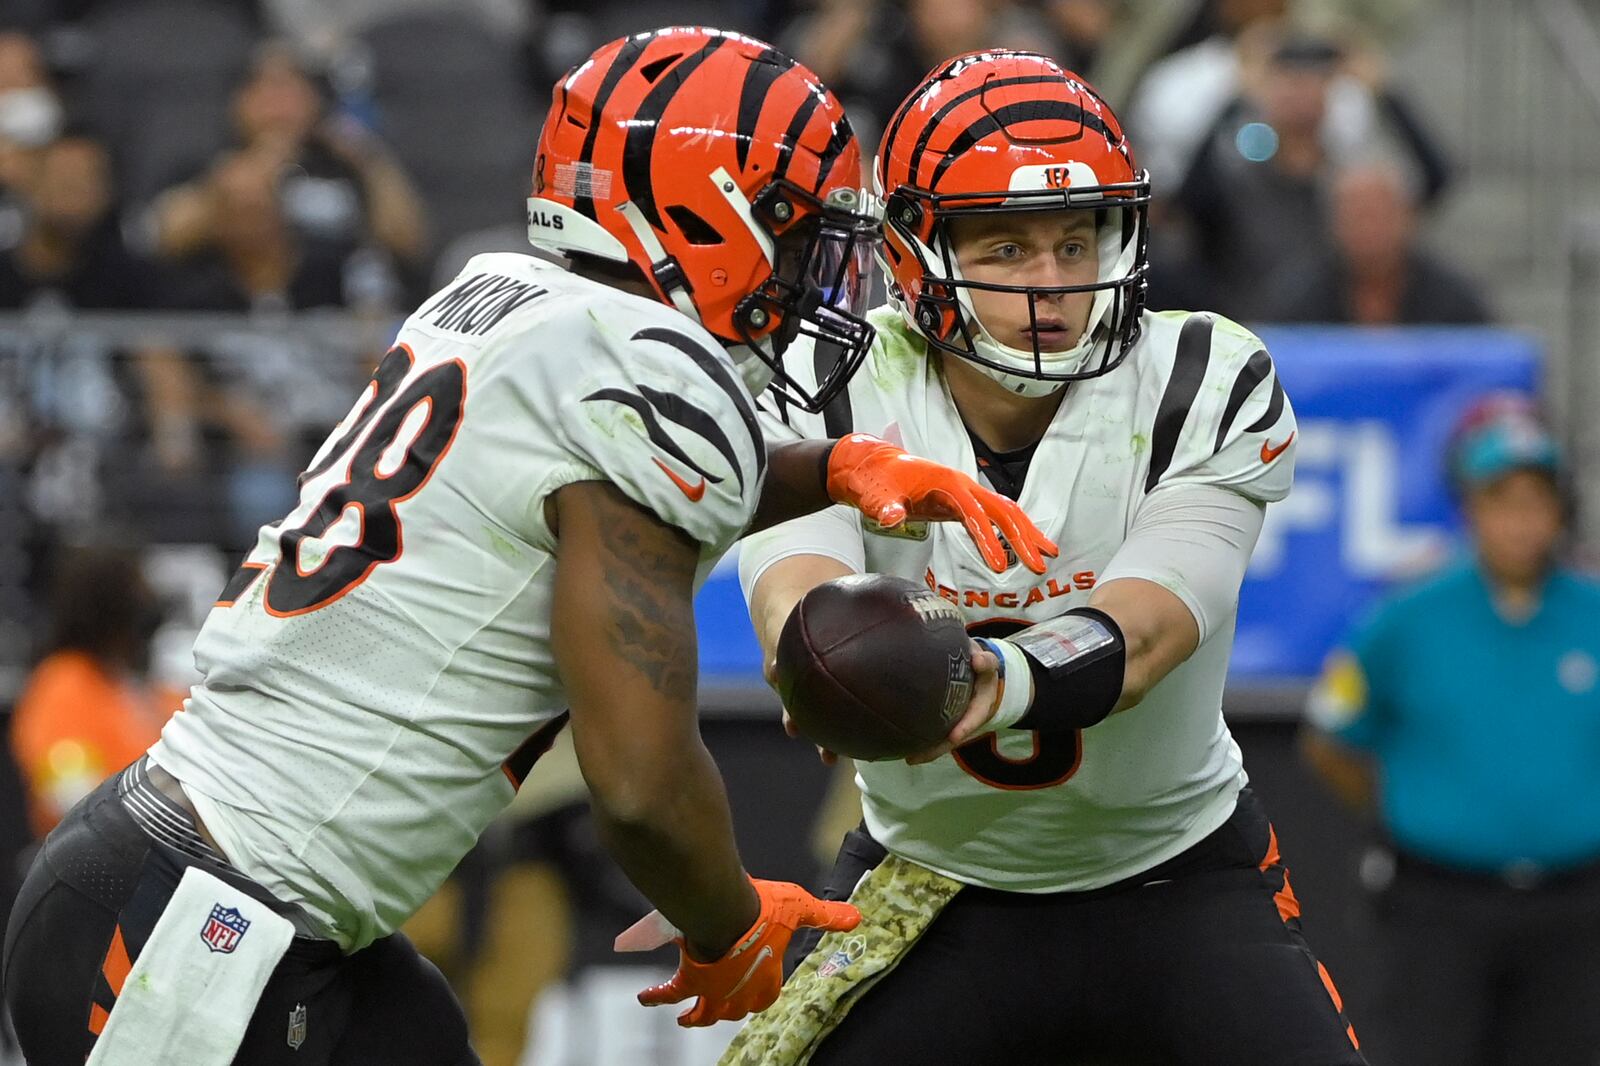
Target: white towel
{"points": [[194, 986]]}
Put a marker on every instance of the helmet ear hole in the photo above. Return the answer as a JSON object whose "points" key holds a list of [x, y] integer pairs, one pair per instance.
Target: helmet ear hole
{"points": [[695, 229]]}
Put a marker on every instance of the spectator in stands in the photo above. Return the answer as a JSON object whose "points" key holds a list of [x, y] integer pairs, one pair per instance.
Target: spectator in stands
{"points": [[873, 53], [1375, 275], [338, 190], [1182, 96], [88, 709], [30, 117], [70, 250], [1254, 199], [252, 258], [1466, 711], [1078, 30]]}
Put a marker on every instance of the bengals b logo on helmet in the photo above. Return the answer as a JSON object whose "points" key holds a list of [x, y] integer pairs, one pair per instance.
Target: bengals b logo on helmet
{"points": [[728, 175]]}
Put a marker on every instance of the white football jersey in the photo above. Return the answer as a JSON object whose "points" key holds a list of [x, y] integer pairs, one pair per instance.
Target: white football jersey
{"points": [[379, 673], [1196, 402]]}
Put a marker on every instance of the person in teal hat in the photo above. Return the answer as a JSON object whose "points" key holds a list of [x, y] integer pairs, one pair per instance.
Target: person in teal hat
{"points": [[1464, 714]]}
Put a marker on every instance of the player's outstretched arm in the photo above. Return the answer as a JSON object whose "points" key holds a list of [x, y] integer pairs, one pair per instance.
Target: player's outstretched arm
{"points": [[890, 485], [1175, 580], [622, 626]]}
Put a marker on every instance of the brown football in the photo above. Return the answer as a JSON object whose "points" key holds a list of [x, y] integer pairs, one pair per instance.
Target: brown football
{"points": [[874, 667]]}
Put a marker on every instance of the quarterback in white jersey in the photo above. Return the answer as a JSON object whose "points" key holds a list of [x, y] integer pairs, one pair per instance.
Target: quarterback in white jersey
{"points": [[1090, 827], [502, 537]]}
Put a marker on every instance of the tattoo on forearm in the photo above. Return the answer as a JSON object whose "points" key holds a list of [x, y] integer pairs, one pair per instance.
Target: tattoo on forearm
{"points": [[650, 624]]}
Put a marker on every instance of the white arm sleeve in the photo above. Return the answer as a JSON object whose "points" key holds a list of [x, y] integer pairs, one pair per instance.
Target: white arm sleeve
{"points": [[1193, 540], [834, 532]]}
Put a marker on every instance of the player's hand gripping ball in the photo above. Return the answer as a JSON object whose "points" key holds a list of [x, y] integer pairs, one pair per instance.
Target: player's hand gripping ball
{"points": [[874, 667]]}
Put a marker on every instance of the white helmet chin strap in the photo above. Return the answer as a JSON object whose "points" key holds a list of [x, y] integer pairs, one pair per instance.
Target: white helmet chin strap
{"points": [[1116, 259]]}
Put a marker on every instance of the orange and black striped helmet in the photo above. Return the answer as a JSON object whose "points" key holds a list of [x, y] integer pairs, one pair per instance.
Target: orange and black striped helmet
{"points": [[729, 176], [999, 131]]}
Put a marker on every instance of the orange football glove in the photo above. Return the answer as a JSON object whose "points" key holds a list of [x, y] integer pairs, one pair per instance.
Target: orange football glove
{"points": [[890, 485], [750, 975]]}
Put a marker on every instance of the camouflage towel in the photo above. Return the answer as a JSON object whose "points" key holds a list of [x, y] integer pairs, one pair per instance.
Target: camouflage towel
{"points": [[898, 901]]}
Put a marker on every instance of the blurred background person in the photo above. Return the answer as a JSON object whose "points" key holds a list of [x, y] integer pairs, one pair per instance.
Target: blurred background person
{"points": [[70, 250], [1465, 715], [30, 117], [252, 257], [89, 708], [1254, 200], [875, 52], [339, 192], [1181, 96], [1375, 273]]}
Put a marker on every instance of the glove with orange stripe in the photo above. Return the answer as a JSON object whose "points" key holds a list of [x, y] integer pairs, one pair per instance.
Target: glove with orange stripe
{"points": [[890, 485], [749, 976]]}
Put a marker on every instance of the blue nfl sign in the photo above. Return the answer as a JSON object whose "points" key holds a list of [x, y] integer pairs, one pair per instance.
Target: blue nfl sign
{"points": [[224, 929]]}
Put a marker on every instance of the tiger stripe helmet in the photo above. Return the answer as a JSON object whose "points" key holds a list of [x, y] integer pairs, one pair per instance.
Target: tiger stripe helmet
{"points": [[999, 131], [728, 175]]}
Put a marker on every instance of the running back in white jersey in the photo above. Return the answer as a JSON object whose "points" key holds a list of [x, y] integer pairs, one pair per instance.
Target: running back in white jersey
{"points": [[376, 666], [1197, 401]]}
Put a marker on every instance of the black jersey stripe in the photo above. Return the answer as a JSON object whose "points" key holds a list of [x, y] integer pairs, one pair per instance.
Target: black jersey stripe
{"points": [[1021, 111], [652, 428], [764, 72], [1255, 371], [720, 376], [625, 60], [837, 417], [956, 101], [638, 148], [1188, 371], [1273, 411], [530, 751], [676, 409]]}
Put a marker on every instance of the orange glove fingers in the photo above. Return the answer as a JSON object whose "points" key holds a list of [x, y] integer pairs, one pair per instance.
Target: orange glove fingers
{"points": [[827, 914], [1024, 537], [671, 990], [976, 519]]}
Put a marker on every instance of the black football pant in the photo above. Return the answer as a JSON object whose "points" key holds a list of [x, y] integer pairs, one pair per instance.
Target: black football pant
{"points": [[98, 874], [1197, 962]]}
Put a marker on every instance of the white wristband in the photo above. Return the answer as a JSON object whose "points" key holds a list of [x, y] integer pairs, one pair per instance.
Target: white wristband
{"points": [[1016, 683]]}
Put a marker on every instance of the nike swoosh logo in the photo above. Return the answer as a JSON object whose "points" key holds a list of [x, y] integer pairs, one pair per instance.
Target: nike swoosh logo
{"points": [[694, 492], [1268, 452], [761, 956]]}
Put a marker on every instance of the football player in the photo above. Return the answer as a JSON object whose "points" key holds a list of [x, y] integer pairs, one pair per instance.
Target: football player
{"points": [[1080, 873], [500, 539]]}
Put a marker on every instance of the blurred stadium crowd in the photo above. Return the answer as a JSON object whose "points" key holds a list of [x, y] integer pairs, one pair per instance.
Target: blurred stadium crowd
{"points": [[281, 179]]}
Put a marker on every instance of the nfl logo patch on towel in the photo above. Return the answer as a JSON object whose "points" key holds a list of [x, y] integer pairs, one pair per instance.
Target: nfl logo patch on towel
{"points": [[224, 929]]}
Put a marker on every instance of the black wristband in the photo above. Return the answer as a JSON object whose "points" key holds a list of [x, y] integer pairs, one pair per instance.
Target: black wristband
{"points": [[1077, 661]]}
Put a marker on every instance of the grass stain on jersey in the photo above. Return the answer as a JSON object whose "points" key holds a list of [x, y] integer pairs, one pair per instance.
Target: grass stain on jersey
{"points": [[502, 547], [1141, 443]]}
